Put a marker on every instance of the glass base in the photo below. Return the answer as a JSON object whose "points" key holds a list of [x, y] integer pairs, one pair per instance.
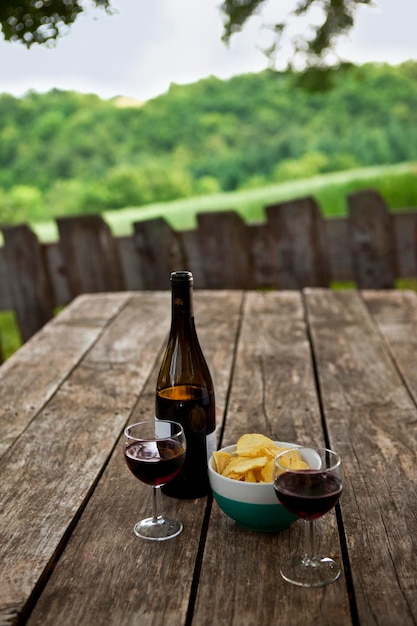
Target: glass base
{"points": [[315, 572], [160, 529]]}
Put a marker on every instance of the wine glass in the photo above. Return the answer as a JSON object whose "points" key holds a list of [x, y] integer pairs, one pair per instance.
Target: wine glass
{"points": [[155, 451], [309, 493]]}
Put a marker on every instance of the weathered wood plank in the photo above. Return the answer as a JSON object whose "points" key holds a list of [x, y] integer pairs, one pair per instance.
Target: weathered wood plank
{"points": [[264, 272], [341, 253], [28, 279], [372, 241], [129, 261], [126, 571], [226, 252], [273, 392], [296, 243], [160, 252], [396, 316], [191, 244], [57, 274], [79, 427], [405, 233], [338, 249], [6, 297], [39, 368], [364, 400], [90, 254]]}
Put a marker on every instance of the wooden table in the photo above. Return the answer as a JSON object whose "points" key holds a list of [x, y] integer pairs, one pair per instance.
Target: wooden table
{"points": [[335, 367]]}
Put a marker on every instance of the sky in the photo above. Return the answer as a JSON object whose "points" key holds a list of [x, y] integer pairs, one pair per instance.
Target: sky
{"points": [[149, 44]]}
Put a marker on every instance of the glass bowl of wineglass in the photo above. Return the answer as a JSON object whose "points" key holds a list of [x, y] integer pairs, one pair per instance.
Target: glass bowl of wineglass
{"points": [[309, 493], [154, 451]]}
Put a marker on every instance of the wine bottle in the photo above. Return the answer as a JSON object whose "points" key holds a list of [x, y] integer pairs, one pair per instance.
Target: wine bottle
{"points": [[185, 393]]}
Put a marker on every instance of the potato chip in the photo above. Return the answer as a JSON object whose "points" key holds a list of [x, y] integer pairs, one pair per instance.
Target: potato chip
{"points": [[235, 476], [253, 460], [267, 472], [248, 442], [241, 465], [250, 477], [294, 460], [221, 459]]}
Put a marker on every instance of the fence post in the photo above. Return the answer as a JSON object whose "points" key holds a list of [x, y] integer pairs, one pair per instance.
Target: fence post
{"points": [[372, 240], [226, 251], [28, 279], [296, 243], [90, 255], [160, 252]]}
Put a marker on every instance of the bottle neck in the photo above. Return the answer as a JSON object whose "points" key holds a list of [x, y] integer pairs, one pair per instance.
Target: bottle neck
{"points": [[182, 303]]}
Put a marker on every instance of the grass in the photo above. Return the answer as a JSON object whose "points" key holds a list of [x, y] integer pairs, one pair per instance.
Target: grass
{"points": [[10, 337], [396, 183], [329, 190]]}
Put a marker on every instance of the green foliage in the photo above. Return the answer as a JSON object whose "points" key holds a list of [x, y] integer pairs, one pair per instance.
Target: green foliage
{"points": [[10, 337], [19, 202], [151, 181], [308, 165], [207, 185], [312, 44], [42, 21], [74, 197], [312, 164], [72, 153]]}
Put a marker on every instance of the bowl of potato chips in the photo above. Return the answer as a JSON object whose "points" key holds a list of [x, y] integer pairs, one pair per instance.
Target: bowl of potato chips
{"points": [[241, 478]]}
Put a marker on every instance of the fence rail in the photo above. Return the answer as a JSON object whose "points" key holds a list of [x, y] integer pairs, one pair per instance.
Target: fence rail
{"points": [[295, 247]]}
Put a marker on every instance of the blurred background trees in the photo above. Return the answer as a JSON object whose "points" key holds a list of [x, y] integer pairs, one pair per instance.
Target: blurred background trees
{"points": [[65, 153]]}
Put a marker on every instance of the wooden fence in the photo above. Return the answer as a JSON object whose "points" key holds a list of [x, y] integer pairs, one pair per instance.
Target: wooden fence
{"points": [[295, 247]]}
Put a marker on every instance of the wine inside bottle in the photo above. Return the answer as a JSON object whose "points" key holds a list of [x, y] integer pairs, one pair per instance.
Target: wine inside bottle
{"points": [[185, 393]]}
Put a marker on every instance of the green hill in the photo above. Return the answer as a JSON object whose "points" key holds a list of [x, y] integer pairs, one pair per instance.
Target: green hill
{"points": [[67, 153]]}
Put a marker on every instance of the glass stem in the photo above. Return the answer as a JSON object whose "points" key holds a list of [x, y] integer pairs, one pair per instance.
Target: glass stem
{"points": [[308, 543], [156, 505]]}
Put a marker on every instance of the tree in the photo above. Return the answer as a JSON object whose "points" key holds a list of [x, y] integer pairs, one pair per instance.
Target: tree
{"points": [[43, 21], [40, 21], [337, 18]]}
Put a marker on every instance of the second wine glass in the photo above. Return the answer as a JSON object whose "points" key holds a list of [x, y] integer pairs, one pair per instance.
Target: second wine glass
{"points": [[155, 452], [309, 493]]}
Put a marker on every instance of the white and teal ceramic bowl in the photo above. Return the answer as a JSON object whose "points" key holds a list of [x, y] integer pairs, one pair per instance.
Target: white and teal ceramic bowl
{"points": [[252, 505]]}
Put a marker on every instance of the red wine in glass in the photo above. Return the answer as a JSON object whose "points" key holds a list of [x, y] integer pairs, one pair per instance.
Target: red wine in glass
{"points": [[155, 452], [309, 493], [155, 463]]}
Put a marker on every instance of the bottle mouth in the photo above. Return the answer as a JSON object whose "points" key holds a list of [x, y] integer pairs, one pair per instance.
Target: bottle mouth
{"points": [[182, 277]]}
